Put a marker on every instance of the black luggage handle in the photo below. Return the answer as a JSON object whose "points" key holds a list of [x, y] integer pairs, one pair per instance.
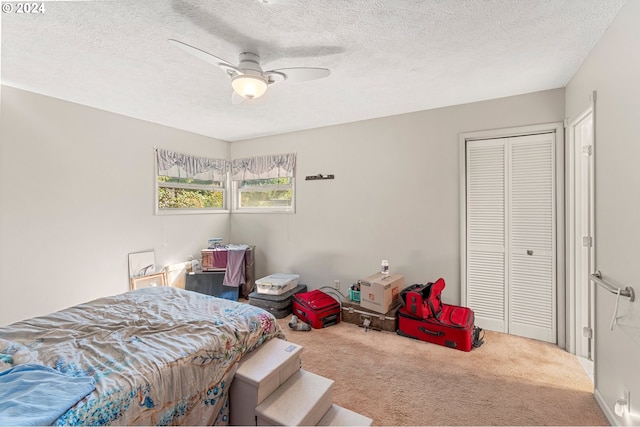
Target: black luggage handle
{"points": [[434, 333]]}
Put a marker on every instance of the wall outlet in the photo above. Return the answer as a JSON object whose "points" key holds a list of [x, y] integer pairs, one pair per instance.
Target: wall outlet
{"points": [[336, 284], [623, 405], [627, 397]]}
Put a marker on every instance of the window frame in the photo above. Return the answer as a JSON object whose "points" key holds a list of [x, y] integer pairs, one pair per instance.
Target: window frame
{"points": [[237, 190], [189, 211]]}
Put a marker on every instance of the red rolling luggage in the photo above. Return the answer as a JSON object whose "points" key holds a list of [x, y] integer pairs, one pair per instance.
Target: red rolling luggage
{"points": [[316, 308], [423, 316], [454, 328]]}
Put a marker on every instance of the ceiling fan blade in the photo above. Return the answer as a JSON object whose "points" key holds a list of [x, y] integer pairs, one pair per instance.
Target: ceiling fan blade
{"points": [[205, 56], [299, 74]]}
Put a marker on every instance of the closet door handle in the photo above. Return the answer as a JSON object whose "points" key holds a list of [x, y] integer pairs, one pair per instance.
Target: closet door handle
{"points": [[529, 252]]}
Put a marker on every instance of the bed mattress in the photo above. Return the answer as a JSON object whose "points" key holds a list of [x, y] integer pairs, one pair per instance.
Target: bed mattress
{"points": [[158, 355]]}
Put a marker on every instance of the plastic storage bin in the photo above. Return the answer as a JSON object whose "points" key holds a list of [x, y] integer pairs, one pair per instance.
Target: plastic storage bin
{"points": [[277, 284]]}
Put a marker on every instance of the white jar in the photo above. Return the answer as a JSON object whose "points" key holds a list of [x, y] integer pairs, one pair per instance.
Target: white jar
{"points": [[384, 267]]}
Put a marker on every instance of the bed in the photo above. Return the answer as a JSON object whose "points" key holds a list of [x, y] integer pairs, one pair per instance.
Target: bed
{"points": [[156, 356]]}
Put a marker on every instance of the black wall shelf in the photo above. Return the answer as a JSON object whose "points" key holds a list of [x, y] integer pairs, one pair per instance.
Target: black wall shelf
{"points": [[318, 177]]}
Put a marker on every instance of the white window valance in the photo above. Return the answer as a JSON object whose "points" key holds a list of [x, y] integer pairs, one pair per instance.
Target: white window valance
{"points": [[263, 167], [179, 165]]}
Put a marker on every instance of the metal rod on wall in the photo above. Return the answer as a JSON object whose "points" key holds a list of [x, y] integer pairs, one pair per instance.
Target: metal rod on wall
{"points": [[319, 176], [626, 292]]}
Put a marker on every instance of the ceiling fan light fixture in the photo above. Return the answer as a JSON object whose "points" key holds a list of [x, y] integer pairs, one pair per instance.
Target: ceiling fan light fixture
{"points": [[248, 79], [249, 86]]}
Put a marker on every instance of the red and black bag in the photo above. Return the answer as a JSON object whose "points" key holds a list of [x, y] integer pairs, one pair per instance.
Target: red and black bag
{"points": [[316, 308], [423, 300]]}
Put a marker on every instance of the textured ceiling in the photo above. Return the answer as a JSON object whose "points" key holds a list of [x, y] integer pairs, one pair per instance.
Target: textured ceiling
{"points": [[386, 56]]}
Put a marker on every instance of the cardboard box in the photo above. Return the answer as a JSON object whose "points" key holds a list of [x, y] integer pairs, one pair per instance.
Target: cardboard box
{"points": [[379, 292]]}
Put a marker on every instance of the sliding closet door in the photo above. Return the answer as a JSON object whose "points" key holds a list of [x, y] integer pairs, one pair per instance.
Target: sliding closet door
{"points": [[510, 229], [532, 270], [486, 234]]}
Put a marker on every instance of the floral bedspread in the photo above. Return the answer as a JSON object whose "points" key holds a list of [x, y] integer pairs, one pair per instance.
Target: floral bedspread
{"points": [[159, 355]]}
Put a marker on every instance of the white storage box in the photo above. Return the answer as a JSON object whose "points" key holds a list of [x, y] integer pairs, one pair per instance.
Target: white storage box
{"points": [[277, 284]]}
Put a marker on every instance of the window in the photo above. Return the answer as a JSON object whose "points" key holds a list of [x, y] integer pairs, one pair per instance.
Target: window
{"points": [[264, 184], [274, 193], [188, 184]]}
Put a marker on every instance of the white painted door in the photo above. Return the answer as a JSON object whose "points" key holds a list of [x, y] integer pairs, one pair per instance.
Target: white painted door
{"points": [[486, 232], [510, 229], [531, 272], [580, 227]]}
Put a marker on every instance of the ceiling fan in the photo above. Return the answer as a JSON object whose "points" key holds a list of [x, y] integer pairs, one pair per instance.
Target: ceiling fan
{"points": [[247, 78]]}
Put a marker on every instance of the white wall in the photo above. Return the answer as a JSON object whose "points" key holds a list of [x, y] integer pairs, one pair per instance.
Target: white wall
{"points": [[76, 197], [613, 70], [395, 195]]}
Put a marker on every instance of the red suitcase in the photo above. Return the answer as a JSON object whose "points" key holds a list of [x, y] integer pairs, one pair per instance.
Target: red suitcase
{"points": [[316, 308], [453, 328], [423, 316]]}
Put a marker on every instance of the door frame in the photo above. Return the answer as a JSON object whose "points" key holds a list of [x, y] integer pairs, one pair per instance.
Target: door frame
{"points": [[558, 129], [580, 214]]}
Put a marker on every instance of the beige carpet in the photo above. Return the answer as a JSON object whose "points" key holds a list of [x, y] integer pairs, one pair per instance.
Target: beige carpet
{"points": [[399, 381]]}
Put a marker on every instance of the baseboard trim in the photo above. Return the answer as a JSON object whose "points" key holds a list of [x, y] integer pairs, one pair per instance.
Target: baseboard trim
{"points": [[611, 417]]}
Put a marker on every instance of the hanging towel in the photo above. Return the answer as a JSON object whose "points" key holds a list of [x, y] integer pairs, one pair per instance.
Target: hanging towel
{"points": [[36, 395], [219, 257], [234, 275]]}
